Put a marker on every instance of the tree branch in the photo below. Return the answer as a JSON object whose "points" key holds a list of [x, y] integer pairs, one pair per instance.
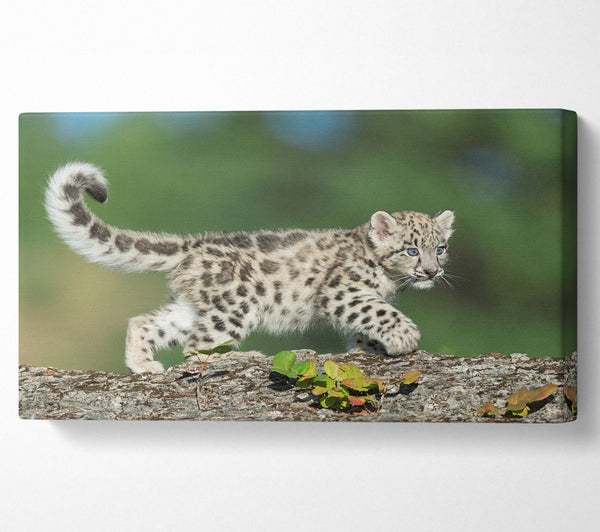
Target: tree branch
{"points": [[240, 386]]}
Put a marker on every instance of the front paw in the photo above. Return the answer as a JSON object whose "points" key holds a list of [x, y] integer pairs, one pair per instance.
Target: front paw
{"points": [[403, 339], [147, 366]]}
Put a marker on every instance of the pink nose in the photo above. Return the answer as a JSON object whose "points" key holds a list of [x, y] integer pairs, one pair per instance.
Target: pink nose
{"points": [[430, 273]]}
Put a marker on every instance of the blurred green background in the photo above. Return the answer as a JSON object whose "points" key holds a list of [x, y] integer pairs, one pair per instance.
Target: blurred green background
{"points": [[502, 172]]}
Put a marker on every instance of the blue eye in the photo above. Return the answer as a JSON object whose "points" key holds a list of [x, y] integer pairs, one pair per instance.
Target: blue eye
{"points": [[440, 250], [413, 252]]}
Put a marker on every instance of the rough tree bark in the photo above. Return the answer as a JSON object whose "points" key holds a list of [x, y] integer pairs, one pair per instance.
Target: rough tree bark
{"points": [[240, 386]]}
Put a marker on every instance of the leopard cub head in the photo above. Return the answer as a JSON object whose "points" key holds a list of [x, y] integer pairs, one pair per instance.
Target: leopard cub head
{"points": [[411, 246]]}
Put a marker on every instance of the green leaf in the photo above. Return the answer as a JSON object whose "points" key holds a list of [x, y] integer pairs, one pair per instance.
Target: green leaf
{"points": [[332, 369], [357, 383], [410, 376], [343, 403], [336, 393], [522, 413], [322, 380], [357, 401], [284, 360], [518, 401], [489, 409], [319, 390], [328, 402], [286, 372], [223, 348], [350, 371], [304, 382], [312, 369], [541, 393], [571, 395], [301, 367]]}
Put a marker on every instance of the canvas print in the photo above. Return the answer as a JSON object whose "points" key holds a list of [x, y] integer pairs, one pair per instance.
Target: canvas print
{"points": [[299, 266]]}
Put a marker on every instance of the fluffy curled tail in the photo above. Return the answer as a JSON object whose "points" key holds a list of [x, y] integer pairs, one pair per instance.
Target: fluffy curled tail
{"points": [[91, 237]]}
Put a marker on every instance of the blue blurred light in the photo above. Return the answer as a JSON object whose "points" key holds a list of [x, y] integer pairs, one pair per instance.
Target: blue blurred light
{"points": [[72, 127], [313, 130], [190, 122], [488, 172]]}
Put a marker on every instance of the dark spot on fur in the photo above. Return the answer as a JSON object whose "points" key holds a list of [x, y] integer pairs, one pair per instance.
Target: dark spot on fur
{"points": [[260, 289], [244, 307], [277, 298], [352, 317], [80, 214], [165, 248], [123, 242], [207, 264], [208, 339], [204, 296], [268, 242], [339, 311], [335, 281], [246, 271], [241, 241], [206, 279], [381, 312], [186, 263], [226, 274], [100, 232], [157, 265], [235, 323], [268, 266], [366, 319], [214, 251], [161, 333], [97, 192], [309, 281], [218, 322], [366, 308], [143, 245], [293, 238], [242, 291], [324, 301], [228, 297], [71, 192], [218, 304]]}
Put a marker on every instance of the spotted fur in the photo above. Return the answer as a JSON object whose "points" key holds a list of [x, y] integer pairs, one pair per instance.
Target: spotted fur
{"points": [[225, 286]]}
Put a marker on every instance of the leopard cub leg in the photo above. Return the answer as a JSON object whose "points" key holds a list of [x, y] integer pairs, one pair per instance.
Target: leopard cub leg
{"points": [[167, 327], [359, 343]]}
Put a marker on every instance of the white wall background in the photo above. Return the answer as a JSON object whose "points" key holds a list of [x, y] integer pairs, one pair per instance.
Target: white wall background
{"points": [[280, 54]]}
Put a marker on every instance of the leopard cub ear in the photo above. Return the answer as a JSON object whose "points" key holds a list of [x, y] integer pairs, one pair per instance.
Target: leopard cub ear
{"points": [[445, 219], [382, 226]]}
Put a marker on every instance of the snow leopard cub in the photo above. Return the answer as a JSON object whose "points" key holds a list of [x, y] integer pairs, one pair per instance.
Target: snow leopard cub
{"points": [[226, 285]]}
